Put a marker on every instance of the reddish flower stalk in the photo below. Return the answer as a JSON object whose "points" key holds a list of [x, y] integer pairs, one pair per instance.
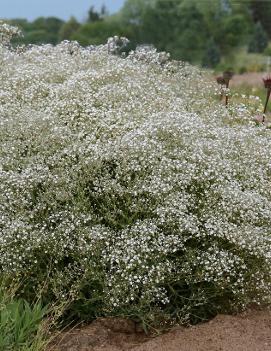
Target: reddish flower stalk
{"points": [[267, 84], [227, 77], [221, 82], [224, 80]]}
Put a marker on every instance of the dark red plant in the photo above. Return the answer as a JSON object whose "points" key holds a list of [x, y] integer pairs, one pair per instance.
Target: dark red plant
{"points": [[221, 81], [227, 76], [267, 84], [224, 80]]}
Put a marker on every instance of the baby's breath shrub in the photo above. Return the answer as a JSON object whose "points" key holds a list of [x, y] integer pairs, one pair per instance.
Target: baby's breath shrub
{"points": [[7, 33], [127, 188]]}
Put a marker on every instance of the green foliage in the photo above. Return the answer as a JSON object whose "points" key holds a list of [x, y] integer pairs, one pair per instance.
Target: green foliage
{"points": [[241, 61], [47, 28], [133, 10], [94, 16], [227, 24], [212, 55], [184, 27], [261, 11], [267, 51], [174, 27], [38, 36], [244, 93], [181, 27], [259, 40], [234, 31], [98, 32], [50, 24], [42, 30], [20, 324], [68, 29]]}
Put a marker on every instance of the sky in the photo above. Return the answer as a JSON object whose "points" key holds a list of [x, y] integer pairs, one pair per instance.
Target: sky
{"points": [[63, 9]]}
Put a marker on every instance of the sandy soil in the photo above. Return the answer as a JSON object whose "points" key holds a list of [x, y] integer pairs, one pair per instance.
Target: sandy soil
{"points": [[249, 331]]}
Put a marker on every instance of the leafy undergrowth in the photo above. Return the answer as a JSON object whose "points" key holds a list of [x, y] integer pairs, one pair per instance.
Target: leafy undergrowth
{"points": [[22, 325], [126, 189]]}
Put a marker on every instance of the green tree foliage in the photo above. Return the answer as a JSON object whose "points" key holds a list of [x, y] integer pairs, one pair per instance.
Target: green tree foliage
{"points": [[133, 10], [50, 26], [233, 32], [259, 40], [190, 34], [68, 29], [212, 54], [95, 16], [38, 36], [98, 32], [173, 26], [21, 23], [261, 11], [42, 30], [226, 21], [181, 27], [99, 27]]}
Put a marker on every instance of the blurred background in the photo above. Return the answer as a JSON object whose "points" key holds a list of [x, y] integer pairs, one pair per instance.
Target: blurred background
{"points": [[217, 34]]}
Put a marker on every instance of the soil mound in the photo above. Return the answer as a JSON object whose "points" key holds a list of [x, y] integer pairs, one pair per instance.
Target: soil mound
{"points": [[249, 331]]}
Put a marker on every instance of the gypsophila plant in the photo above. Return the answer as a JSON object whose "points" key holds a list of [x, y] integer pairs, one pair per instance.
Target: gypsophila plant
{"points": [[126, 186], [7, 33], [117, 45]]}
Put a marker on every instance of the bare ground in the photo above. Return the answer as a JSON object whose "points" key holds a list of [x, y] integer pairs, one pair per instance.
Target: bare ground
{"points": [[249, 331], [254, 79]]}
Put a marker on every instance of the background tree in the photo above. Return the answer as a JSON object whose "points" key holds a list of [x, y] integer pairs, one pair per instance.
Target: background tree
{"points": [[233, 33], [98, 32], [261, 11], [212, 55], [174, 26], [259, 40], [50, 26], [68, 29], [181, 27], [42, 30], [133, 11], [95, 16]]}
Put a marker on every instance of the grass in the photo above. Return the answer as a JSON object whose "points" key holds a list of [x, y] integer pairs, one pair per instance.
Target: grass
{"points": [[246, 94], [22, 325], [240, 61]]}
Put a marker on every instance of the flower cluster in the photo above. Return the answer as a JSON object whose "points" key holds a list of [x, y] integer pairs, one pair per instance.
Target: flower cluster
{"points": [[7, 33], [129, 169], [116, 45]]}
